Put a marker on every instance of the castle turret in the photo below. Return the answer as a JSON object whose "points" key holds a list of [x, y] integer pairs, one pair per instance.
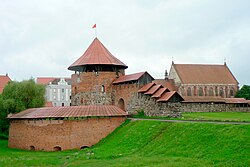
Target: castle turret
{"points": [[95, 71]]}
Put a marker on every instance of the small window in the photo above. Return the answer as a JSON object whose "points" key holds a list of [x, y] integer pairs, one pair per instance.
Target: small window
{"points": [[232, 92], [189, 91], [54, 104], [103, 88], [200, 92], [54, 97], [32, 148], [54, 90], [62, 97], [62, 90], [57, 148], [211, 92], [62, 104]]}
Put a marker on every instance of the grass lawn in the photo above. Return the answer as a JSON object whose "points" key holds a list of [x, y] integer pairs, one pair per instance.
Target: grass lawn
{"points": [[149, 143], [218, 116]]}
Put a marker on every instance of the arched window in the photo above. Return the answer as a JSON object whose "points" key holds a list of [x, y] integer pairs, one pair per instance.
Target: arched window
{"points": [[221, 92], [189, 91], [57, 148], [32, 148], [103, 88], [200, 91], [211, 91], [231, 92], [121, 104], [216, 91]]}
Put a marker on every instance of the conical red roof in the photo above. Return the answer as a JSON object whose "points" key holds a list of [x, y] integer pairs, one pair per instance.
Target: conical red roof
{"points": [[97, 54]]}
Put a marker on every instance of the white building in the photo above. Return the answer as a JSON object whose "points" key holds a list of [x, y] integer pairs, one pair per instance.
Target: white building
{"points": [[58, 90]]}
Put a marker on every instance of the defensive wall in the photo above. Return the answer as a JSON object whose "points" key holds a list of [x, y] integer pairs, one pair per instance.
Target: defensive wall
{"points": [[55, 135]]}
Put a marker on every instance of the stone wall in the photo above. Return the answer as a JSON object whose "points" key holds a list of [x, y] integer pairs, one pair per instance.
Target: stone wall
{"points": [[152, 108], [66, 134]]}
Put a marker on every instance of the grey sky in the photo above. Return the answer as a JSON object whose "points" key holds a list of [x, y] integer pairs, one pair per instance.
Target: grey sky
{"points": [[42, 38]]}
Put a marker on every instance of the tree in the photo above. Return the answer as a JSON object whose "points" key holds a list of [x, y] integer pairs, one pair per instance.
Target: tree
{"points": [[18, 96], [244, 92]]}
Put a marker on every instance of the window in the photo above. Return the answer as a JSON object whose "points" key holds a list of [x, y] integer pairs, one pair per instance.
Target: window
{"points": [[221, 92], [54, 90], [189, 91], [200, 92], [62, 90], [62, 104], [211, 92], [103, 88], [62, 97], [232, 92], [54, 97]]}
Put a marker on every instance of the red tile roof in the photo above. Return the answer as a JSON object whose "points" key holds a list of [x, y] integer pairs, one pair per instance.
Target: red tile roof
{"points": [[130, 77], [166, 83], [204, 74], [97, 53], [235, 100], [204, 99], [69, 111], [153, 89], [45, 80], [4, 79], [159, 92], [166, 96], [146, 87]]}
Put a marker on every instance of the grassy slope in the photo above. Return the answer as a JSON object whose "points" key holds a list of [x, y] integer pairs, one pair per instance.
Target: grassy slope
{"points": [[150, 143], [218, 116]]}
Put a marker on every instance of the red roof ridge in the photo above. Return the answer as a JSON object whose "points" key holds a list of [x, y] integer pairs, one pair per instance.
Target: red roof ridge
{"points": [[69, 111], [96, 54], [146, 87], [130, 77], [153, 89]]}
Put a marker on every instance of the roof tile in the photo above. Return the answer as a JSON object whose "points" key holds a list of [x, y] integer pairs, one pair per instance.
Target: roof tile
{"points": [[69, 111]]}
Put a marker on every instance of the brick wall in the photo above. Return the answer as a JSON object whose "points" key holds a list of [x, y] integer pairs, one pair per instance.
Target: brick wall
{"points": [[92, 88], [67, 134], [125, 92]]}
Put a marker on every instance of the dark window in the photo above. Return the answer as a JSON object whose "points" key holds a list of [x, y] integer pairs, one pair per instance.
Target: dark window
{"points": [[211, 92], [232, 92], [32, 148], [62, 104], [189, 91], [57, 148], [103, 88], [62, 90], [200, 92], [221, 92]]}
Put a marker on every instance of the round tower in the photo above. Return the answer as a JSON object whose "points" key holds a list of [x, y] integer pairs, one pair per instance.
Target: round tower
{"points": [[95, 72]]}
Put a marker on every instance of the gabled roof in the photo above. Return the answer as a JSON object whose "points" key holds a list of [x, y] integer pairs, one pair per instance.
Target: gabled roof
{"points": [[69, 111], [146, 87], [204, 74], [96, 54], [159, 92], [169, 83], [167, 95], [44, 80], [52, 80], [153, 89], [130, 77], [4, 79]]}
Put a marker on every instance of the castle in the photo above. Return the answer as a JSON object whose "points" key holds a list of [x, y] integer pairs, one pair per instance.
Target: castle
{"points": [[103, 95], [100, 78]]}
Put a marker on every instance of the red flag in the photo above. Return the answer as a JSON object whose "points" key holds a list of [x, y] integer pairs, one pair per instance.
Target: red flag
{"points": [[94, 26]]}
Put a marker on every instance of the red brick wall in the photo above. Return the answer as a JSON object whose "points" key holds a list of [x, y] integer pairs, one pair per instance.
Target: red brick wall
{"points": [[67, 134], [125, 91], [91, 82]]}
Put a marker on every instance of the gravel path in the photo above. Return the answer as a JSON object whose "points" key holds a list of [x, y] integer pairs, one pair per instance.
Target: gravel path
{"points": [[190, 121]]}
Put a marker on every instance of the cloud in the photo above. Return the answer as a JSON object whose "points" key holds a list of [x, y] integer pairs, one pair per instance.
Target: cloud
{"points": [[42, 38]]}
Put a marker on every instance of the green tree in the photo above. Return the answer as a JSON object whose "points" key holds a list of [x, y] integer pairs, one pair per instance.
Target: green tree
{"points": [[18, 96], [244, 92]]}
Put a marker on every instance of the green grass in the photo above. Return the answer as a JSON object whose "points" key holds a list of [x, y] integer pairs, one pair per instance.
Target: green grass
{"points": [[149, 143], [206, 116], [218, 116]]}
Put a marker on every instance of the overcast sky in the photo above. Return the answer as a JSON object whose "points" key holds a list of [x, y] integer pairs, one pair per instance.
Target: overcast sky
{"points": [[41, 38]]}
